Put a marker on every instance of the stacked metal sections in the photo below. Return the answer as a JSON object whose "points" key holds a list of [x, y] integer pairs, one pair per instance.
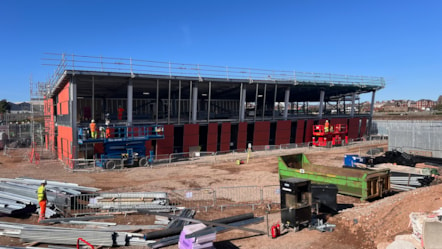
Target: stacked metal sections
{"points": [[154, 201], [62, 236], [19, 195]]}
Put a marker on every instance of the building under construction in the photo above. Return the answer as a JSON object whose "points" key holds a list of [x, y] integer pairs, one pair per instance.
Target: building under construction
{"points": [[202, 107]]}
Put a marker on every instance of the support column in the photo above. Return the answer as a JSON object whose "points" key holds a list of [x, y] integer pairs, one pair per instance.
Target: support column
{"points": [[371, 114], [73, 116], [242, 106], [194, 103], [157, 101], [274, 101], [169, 102], [209, 96], [352, 111], [93, 97], [286, 102], [264, 102], [130, 94], [321, 103], [179, 101], [256, 102]]}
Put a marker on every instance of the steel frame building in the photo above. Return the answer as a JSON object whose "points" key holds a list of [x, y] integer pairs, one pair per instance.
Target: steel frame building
{"points": [[213, 107]]}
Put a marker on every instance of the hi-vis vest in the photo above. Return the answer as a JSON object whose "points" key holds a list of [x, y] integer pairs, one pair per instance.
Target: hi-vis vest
{"points": [[41, 193]]}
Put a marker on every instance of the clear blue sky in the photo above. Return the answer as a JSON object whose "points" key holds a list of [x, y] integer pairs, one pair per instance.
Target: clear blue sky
{"points": [[400, 40]]}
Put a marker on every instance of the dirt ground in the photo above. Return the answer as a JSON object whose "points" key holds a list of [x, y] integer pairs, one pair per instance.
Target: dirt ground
{"points": [[366, 225]]}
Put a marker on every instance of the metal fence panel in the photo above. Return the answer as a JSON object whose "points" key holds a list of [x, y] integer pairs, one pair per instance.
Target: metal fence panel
{"points": [[238, 196], [412, 136], [193, 198], [271, 194], [83, 204]]}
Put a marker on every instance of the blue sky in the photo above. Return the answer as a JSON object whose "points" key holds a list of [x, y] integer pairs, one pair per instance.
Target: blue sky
{"points": [[400, 40]]}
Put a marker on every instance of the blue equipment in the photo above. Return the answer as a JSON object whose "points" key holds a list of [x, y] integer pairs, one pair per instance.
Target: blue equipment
{"points": [[124, 145]]}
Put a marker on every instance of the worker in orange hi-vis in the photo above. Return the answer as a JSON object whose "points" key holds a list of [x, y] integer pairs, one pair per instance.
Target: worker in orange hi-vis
{"points": [[93, 128], [120, 112], [42, 200], [326, 126]]}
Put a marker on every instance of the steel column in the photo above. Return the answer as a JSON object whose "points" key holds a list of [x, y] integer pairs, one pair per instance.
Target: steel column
{"points": [[264, 102], [168, 102], [370, 119], [130, 94], [194, 103], [157, 101], [208, 102], [243, 104], [286, 102], [274, 101], [352, 111], [179, 101], [321, 103]]}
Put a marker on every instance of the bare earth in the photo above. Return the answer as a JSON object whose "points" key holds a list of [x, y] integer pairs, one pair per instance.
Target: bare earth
{"points": [[367, 225]]}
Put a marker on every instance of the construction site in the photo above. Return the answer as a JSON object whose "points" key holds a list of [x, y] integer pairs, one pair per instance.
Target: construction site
{"points": [[147, 154]]}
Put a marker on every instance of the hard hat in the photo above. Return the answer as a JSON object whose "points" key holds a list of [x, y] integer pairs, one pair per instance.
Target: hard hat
{"points": [[92, 121], [44, 182]]}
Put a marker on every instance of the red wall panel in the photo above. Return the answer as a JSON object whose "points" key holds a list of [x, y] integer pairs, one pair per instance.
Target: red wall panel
{"points": [[336, 121], [363, 127], [63, 101], [212, 137], [283, 132], [165, 146], [64, 140], [242, 136], [299, 131], [309, 130], [191, 136], [225, 136], [322, 121], [261, 133], [353, 128]]}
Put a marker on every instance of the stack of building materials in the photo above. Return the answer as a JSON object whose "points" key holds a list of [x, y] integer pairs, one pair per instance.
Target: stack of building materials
{"points": [[171, 236], [61, 235], [195, 242], [427, 228], [19, 195], [157, 201]]}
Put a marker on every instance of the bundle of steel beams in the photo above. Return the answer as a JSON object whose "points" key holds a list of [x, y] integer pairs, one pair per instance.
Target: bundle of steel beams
{"points": [[18, 195], [132, 201]]}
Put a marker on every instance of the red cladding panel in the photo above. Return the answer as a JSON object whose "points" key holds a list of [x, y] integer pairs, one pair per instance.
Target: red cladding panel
{"points": [[283, 132], [336, 121], [212, 137], [191, 136], [321, 121], [309, 130], [165, 146], [299, 131], [225, 136], [363, 127], [242, 136], [261, 133], [353, 128]]}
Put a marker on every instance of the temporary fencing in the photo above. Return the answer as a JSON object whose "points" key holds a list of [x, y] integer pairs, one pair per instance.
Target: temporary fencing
{"points": [[197, 198], [238, 196]]}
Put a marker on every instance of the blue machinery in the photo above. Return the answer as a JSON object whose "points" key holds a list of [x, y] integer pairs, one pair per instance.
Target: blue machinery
{"points": [[123, 145]]}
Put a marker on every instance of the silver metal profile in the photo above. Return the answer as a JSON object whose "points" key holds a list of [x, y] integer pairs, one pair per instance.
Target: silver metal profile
{"points": [[130, 88], [321, 103]]}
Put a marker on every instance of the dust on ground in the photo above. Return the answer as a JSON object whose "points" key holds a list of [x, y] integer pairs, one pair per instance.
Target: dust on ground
{"points": [[365, 225]]}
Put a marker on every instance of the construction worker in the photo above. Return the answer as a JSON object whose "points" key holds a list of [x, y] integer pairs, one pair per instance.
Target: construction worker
{"points": [[326, 126], [93, 128], [42, 200]]}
